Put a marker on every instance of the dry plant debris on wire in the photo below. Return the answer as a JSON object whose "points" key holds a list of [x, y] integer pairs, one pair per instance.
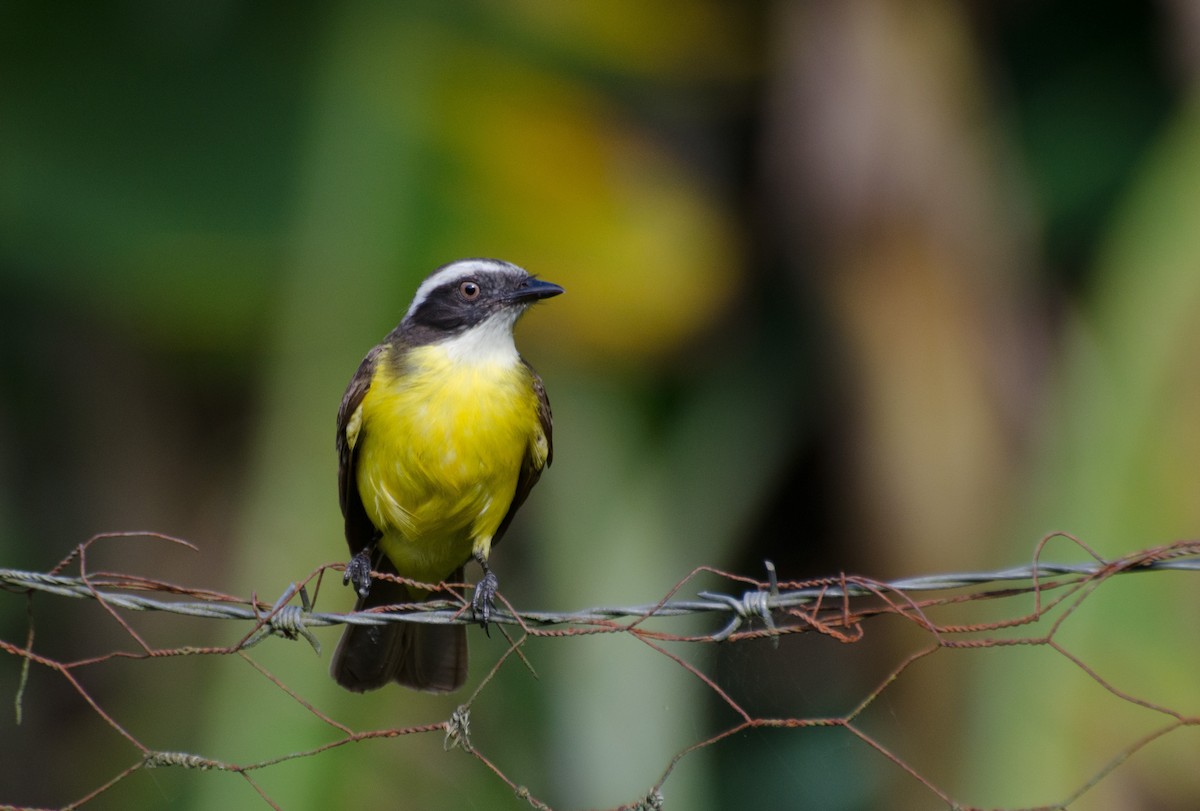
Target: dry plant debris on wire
{"points": [[838, 607]]}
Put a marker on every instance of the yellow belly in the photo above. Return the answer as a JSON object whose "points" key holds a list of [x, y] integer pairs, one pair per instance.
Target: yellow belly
{"points": [[438, 456]]}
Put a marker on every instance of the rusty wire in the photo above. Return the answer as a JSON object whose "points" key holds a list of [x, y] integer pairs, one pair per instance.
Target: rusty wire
{"points": [[761, 600], [836, 606]]}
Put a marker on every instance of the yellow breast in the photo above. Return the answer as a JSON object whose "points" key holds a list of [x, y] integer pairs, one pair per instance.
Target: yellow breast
{"points": [[439, 449]]}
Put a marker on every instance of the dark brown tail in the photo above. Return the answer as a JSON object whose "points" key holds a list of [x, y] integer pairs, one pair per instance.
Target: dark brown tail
{"points": [[417, 655]]}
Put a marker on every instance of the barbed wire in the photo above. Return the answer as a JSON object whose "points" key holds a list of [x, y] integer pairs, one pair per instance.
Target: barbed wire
{"points": [[761, 601], [835, 606]]}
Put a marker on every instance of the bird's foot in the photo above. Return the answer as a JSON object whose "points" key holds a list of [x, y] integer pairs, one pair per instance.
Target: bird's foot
{"points": [[358, 572], [484, 602]]}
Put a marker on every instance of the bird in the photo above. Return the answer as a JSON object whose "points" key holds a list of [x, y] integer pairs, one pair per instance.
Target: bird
{"points": [[442, 432]]}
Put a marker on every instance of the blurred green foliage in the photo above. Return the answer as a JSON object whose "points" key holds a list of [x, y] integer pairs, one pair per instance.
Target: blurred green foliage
{"points": [[856, 286]]}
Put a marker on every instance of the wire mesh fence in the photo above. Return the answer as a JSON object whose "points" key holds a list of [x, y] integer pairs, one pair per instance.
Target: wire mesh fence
{"points": [[746, 608]]}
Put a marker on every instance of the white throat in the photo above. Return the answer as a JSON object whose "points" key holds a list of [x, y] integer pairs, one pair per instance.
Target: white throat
{"points": [[488, 343]]}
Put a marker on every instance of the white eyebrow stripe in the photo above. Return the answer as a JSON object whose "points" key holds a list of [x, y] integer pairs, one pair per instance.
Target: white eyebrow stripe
{"points": [[455, 270]]}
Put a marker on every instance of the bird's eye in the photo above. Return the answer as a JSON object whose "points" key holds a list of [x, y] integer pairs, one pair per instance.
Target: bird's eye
{"points": [[469, 290]]}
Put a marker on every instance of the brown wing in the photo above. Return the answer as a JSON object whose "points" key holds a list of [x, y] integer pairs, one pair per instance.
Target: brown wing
{"points": [[531, 471], [360, 532]]}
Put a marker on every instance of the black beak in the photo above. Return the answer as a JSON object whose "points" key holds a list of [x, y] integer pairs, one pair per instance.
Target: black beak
{"points": [[532, 290]]}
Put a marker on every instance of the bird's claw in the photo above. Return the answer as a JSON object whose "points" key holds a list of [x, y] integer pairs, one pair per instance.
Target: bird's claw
{"points": [[358, 572], [484, 602]]}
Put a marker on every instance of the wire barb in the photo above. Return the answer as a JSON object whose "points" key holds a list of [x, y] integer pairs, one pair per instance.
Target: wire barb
{"points": [[751, 604], [288, 621], [158, 760], [653, 801], [458, 729]]}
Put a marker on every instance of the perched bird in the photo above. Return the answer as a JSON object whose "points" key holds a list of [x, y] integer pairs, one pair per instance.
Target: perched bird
{"points": [[443, 431]]}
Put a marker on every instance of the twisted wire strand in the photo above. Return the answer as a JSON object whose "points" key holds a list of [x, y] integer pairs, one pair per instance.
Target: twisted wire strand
{"points": [[759, 602]]}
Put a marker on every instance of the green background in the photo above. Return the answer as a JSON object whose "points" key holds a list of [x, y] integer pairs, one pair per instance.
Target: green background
{"points": [[888, 288]]}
